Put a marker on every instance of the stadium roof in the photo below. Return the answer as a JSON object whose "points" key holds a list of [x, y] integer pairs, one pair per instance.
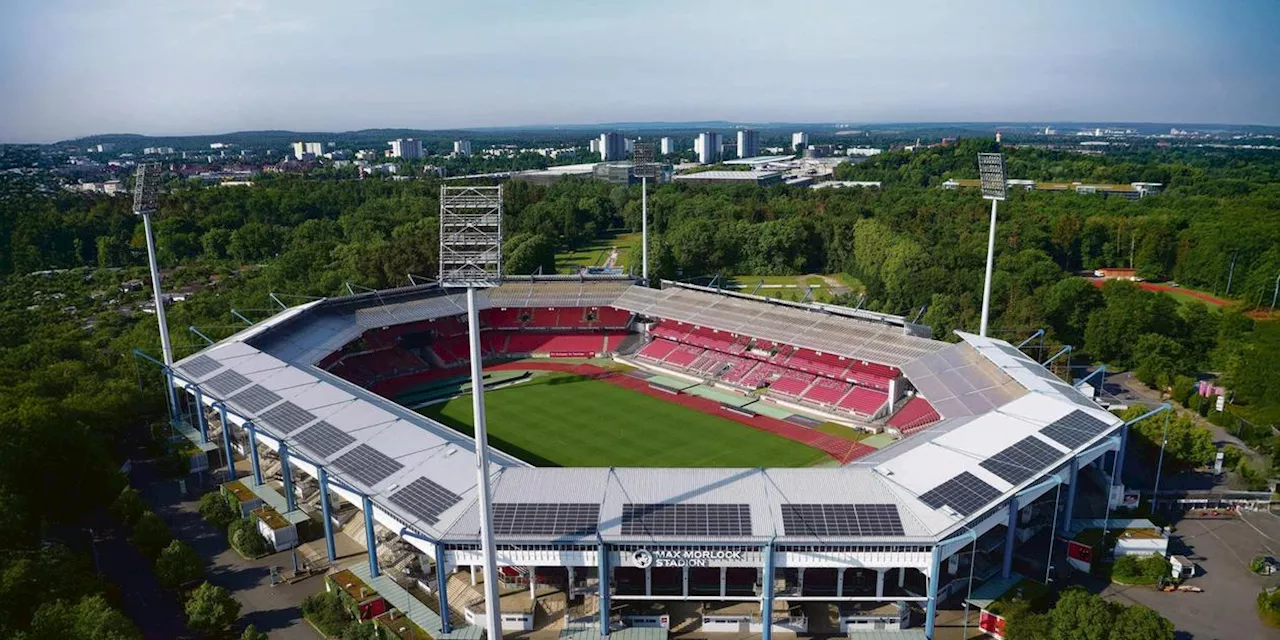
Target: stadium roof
{"points": [[422, 472]]}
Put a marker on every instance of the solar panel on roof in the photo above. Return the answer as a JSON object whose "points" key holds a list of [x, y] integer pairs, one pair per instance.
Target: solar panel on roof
{"points": [[1044, 373], [226, 382], [1023, 459], [367, 465], [686, 519], [200, 366], [1074, 429], [255, 398], [1012, 351], [823, 520], [964, 493], [286, 417], [423, 498], [551, 519], [323, 438]]}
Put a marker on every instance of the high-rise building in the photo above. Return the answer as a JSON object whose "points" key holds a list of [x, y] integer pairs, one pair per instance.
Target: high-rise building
{"points": [[668, 146], [407, 148], [612, 147], [462, 147], [799, 139], [748, 143], [709, 145], [301, 149], [595, 145], [631, 145]]}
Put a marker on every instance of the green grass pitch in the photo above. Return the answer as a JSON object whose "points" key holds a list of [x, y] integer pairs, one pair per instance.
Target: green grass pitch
{"points": [[573, 421]]}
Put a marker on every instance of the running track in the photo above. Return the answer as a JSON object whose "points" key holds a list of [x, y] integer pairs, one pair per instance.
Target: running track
{"points": [[1164, 288]]}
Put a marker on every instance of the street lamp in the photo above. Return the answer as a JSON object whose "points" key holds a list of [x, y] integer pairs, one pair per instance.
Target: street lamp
{"points": [[644, 168], [471, 258], [994, 186], [146, 189]]}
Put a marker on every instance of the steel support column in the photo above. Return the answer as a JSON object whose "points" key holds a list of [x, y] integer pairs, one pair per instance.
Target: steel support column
{"points": [[1071, 496], [253, 452], [1124, 442], [602, 562], [1009, 536], [290, 501], [370, 541], [767, 585], [442, 588], [326, 513], [201, 421], [226, 441], [931, 604]]}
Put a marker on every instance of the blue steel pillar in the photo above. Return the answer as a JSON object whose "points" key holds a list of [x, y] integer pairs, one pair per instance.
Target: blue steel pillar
{"points": [[326, 513], [370, 542], [171, 398], [253, 452], [442, 588], [1009, 536], [200, 419], [767, 584], [226, 442], [1124, 441], [931, 605], [290, 502], [1071, 497], [602, 561]]}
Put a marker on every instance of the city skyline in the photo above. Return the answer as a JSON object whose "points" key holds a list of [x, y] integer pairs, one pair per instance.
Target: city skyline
{"points": [[188, 69]]}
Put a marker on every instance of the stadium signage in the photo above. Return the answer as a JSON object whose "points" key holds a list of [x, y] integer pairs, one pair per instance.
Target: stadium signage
{"points": [[644, 558]]}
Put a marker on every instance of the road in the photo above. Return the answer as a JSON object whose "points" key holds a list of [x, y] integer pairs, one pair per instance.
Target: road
{"points": [[275, 610]]}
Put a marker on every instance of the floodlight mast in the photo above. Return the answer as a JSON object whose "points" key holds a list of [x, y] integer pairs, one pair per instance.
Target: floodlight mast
{"points": [[645, 168], [471, 258], [146, 188], [994, 185]]}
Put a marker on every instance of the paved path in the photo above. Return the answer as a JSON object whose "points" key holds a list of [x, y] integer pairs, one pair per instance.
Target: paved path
{"points": [[274, 610]]}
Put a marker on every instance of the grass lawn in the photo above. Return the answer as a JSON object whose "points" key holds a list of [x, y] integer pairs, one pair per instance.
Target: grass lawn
{"points": [[570, 420], [594, 254], [841, 431]]}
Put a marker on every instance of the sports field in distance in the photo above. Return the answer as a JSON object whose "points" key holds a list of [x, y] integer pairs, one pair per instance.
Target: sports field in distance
{"points": [[573, 421]]}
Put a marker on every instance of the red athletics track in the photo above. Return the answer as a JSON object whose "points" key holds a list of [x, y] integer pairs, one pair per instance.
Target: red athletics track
{"points": [[843, 450], [1164, 288]]}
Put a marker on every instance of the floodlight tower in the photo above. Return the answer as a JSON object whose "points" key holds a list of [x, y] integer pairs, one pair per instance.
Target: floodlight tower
{"points": [[645, 168], [146, 187], [471, 258], [994, 185]]}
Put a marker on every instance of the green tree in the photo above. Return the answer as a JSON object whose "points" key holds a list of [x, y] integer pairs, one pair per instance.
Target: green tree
{"points": [[251, 633], [1159, 359], [177, 565], [326, 611], [211, 609], [1137, 622], [128, 506], [1082, 615], [90, 618], [216, 509], [150, 534], [244, 536]]}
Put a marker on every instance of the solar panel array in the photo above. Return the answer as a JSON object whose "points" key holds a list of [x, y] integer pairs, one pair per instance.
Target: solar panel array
{"points": [[1074, 429], [422, 498], [367, 465], [201, 366], [538, 518], [841, 520], [1012, 351], [965, 493], [323, 438], [226, 382], [255, 398], [686, 519], [287, 417], [1023, 459]]}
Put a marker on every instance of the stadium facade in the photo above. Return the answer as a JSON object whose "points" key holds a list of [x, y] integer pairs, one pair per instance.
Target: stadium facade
{"points": [[996, 459]]}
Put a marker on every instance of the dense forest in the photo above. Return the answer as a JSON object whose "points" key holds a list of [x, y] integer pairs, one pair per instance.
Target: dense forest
{"points": [[73, 399]]}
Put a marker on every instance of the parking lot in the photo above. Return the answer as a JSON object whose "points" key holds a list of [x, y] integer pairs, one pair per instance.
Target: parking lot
{"points": [[1221, 549]]}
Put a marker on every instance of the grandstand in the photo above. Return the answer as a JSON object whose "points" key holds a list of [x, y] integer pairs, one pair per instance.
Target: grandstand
{"points": [[986, 437]]}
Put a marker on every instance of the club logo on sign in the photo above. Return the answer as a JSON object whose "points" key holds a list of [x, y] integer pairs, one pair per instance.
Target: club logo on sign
{"points": [[642, 559]]}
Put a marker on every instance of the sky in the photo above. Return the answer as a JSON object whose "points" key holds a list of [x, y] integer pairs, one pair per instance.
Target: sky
{"points": [[71, 68]]}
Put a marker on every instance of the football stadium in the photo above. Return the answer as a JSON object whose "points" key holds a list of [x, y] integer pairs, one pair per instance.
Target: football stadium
{"points": [[664, 459]]}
